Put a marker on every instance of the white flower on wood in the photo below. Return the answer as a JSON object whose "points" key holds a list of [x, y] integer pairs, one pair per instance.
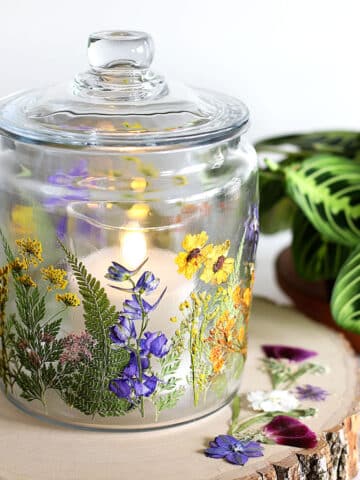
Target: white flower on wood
{"points": [[275, 400]]}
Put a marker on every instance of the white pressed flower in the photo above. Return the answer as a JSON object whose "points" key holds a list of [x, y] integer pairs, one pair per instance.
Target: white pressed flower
{"points": [[275, 400]]}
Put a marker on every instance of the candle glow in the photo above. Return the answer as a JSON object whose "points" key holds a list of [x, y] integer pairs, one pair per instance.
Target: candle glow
{"points": [[133, 248]]}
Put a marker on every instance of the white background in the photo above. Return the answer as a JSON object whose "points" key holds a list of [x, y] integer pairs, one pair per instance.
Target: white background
{"points": [[296, 63]]}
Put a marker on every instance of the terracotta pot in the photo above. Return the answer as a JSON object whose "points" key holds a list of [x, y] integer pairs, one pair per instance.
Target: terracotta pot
{"points": [[311, 298]]}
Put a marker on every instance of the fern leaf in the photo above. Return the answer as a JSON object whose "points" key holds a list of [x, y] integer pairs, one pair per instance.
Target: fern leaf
{"points": [[88, 386]]}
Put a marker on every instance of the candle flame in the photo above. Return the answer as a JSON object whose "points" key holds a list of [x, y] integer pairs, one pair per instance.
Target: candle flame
{"points": [[133, 247]]}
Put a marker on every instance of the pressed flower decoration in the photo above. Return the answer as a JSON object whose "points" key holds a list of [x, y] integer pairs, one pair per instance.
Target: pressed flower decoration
{"points": [[276, 412], [232, 450], [118, 362], [273, 401]]}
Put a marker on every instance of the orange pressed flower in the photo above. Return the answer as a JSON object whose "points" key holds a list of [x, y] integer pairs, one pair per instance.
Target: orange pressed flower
{"points": [[217, 359], [225, 325]]}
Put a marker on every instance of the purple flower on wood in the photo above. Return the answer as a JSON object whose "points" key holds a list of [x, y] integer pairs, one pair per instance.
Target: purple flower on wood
{"points": [[122, 331], [310, 392], [293, 354], [155, 344], [285, 430], [135, 308], [232, 450]]}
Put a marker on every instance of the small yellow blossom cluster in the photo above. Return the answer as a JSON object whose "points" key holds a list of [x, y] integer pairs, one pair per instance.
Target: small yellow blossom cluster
{"points": [[68, 299], [27, 281], [4, 278], [18, 265], [31, 250], [211, 259], [56, 277]]}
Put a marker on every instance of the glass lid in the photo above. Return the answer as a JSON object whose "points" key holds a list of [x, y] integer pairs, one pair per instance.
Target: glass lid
{"points": [[120, 101]]}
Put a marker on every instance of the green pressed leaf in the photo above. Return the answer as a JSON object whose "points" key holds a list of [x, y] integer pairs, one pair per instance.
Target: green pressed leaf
{"points": [[345, 301], [314, 257], [87, 387], [327, 189]]}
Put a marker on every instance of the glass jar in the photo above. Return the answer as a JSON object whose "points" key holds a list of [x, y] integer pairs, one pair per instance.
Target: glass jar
{"points": [[129, 225]]}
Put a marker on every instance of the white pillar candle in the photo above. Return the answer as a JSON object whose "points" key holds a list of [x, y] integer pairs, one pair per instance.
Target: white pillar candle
{"points": [[131, 252]]}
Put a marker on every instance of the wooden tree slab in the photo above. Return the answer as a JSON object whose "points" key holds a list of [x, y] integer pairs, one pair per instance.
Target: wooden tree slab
{"points": [[31, 449]]}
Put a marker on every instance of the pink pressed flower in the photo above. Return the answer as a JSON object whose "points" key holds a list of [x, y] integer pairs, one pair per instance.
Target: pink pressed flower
{"points": [[285, 430], [294, 354], [77, 347]]}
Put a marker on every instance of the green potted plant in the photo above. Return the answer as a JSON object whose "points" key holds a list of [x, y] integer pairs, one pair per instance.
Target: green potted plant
{"points": [[311, 184]]}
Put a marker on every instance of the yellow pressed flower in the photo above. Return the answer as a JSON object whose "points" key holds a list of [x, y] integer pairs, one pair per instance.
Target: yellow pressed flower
{"points": [[241, 335], [68, 299], [217, 266], [55, 277], [27, 281], [191, 260], [237, 296], [18, 265], [247, 296], [31, 250], [173, 319]]}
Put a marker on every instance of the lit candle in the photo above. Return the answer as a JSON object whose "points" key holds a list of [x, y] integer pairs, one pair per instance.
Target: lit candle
{"points": [[131, 252]]}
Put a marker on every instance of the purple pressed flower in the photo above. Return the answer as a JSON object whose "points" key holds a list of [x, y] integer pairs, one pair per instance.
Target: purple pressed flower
{"points": [[68, 181], [146, 284], [290, 431], [129, 385], [135, 308], [132, 368], [294, 354], [146, 387], [122, 331], [310, 392], [119, 273], [233, 450], [155, 344], [121, 387], [252, 229]]}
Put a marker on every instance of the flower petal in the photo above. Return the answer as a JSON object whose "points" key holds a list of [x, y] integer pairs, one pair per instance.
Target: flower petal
{"points": [[294, 354], [253, 449], [236, 458], [290, 431], [226, 440], [216, 452]]}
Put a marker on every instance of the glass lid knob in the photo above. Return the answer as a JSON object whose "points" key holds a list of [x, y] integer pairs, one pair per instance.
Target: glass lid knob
{"points": [[120, 49], [120, 68]]}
